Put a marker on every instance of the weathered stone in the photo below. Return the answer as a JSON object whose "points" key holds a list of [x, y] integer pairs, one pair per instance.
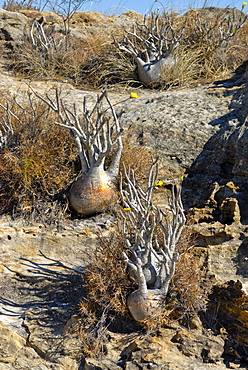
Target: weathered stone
{"points": [[29, 359], [132, 15], [10, 344], [230, 212], [209, 350], [179, 137], [12, 26], [232, 314], [88, 18], [239, 102], [160, 352]]}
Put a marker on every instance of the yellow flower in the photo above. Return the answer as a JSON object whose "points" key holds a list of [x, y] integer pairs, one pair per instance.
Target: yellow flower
{"points": [[158, 183], [133, 95], [183, 176], [244, 5], [127, 209]]}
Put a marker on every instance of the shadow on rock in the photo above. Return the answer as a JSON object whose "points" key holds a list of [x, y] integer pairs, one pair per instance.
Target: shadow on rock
{"points": [[240, 260], [47, 295], [217, 178], [227, 314]]}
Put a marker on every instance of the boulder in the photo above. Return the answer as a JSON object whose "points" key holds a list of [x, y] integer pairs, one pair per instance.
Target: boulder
{"points": [[89, 18], [12, 26]]}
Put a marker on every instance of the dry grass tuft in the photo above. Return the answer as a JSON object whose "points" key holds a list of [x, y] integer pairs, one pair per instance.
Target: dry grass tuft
{"points": [[137, 157], [89, 61], [107, 285], [36, 164], [210, 42], [15, 5], [187, 285]]}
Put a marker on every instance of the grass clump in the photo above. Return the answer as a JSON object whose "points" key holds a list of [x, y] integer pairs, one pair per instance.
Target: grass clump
{"points": [[36, 164], [15, 5], [90, 60], [104, 307]]}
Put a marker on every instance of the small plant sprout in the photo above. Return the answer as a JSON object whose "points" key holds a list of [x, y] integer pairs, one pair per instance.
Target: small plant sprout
{"points": [[97, 134], [151, 236], [152, 44]]}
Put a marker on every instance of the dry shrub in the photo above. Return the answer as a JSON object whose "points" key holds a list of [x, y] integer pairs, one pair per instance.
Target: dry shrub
{"points": [[15, 5], [187, 285], [137, 157], [107, 285], [36, 164], [38, 60], [91, 60], [204, 54], [209, 41]]}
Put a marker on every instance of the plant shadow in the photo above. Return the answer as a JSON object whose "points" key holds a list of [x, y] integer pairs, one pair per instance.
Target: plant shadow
{"points": [[42, 300]]}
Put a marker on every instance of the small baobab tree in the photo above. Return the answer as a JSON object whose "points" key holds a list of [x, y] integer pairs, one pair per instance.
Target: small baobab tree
{"points": [[97, 134], [151, 236], [152, 44]]}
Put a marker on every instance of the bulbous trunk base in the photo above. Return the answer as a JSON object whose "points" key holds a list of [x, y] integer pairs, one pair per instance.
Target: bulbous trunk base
{"points": [[92, 193], [142, 306], [152, 71]]}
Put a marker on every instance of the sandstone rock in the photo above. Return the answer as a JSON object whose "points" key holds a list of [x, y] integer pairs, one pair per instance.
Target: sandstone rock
{"points": [[132, 15], [232, 314], [177, 138], [29, 359], [239, 102], [30, 13], [161, 351], [209, 350], [230, 211], [12, 25], [90, 18], [49, 17], [10, 344], [6, 366]]}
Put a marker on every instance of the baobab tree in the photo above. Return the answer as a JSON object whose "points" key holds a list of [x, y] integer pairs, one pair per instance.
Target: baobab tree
{"points": [[152, 236], [152, 44], [97, 134]]}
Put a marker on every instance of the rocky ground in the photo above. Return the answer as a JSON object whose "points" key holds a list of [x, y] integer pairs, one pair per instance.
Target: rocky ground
{"points": [[200, 133]]}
